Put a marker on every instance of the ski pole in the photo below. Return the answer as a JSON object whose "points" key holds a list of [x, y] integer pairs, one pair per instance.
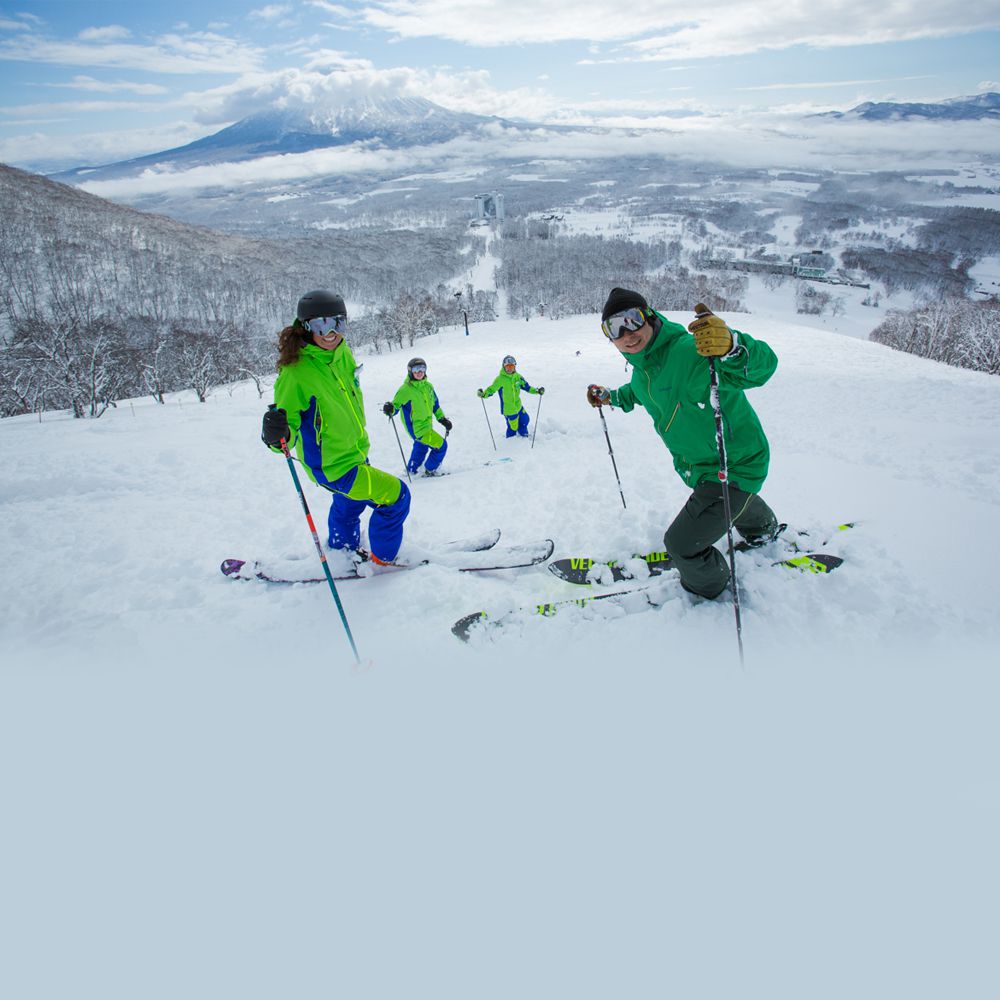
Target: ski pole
{"points": [[392, 420], [539, 410], [490, 429], [319, 545], [713, 376], [611, 452]]}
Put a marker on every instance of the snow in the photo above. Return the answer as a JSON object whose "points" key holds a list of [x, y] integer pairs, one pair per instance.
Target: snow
{"points": [[204, 796]]}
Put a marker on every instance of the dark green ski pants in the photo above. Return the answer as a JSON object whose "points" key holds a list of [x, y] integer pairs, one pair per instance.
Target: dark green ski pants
{"points": [[691, 539]]}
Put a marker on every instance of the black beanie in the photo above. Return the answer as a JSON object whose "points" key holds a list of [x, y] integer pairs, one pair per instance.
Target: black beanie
{"points": [[621, 299]]}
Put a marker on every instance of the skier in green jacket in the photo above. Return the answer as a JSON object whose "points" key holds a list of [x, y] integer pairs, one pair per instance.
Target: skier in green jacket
{"points": [[320, 414], [670, 380], [509, 384], [418, 402]]}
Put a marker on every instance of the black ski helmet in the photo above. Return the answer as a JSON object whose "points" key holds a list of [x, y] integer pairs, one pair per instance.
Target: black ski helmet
{"points": [[413, 363], [510, 360], [320, 303]]}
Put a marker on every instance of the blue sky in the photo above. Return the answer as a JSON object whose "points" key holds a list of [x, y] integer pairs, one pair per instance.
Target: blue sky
{"points": [[88, 81]]}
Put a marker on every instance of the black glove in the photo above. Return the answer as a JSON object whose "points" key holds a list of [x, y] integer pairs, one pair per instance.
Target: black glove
{"points": [[445, 423], [541, 390], [274, 428], [388, 409], [480, 393]]}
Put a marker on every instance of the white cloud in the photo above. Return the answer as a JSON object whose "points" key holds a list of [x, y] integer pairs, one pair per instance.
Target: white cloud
{"points": [[673, 29], [44, 152], [271, 12], [200, 52], [110, 33], [765, 141], [830, 83], [100, 86], [989, 85], [330, 79]]}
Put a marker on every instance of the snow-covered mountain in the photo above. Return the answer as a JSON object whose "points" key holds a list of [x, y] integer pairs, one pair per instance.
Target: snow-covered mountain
{"points": [[955, 109], [388, 122]]}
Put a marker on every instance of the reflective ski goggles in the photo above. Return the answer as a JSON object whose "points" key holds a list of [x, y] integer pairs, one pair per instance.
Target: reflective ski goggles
{"points": [[509, 367], [418, 370], [624, 322], [323, 326]]}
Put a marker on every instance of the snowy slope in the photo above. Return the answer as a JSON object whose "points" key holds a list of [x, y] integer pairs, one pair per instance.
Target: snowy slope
{"points": [[205, 797]]}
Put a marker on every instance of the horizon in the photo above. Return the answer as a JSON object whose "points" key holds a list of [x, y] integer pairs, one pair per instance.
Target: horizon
{"points": [[87, 84]]}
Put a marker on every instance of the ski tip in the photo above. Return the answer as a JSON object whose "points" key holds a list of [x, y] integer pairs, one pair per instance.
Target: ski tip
{"points": [[812, 562], [462, 629], [232, 567]]}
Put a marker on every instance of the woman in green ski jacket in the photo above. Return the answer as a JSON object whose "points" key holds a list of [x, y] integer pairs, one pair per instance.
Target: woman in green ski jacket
{"points": [[319, 413], [418, 403], [509, 384], [670, 380]]}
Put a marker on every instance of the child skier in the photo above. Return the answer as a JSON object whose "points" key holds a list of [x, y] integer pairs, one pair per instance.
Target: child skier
{"points": [[509, 384], [418, 402]]}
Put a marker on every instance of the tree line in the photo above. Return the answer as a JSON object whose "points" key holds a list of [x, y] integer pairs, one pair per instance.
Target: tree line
{"points": [[953, 330]]}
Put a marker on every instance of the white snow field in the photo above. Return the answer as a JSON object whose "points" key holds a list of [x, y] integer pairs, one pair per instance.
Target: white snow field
{"points": [[205, 797]]}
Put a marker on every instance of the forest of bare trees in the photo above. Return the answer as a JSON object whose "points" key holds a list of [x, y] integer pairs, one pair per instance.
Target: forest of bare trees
{"points": [[956, 331]]}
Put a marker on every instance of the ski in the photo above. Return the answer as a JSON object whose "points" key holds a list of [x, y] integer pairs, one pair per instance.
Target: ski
{"points": [[480, 621], [482, 560], [579, 569], [440, 473]]}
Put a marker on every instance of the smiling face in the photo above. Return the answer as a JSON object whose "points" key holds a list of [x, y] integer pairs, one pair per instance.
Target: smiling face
{"points": [[633, 341], [329, 342]]}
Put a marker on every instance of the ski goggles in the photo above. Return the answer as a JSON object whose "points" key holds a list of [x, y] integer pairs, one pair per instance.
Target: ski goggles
{"points": [[418, 370], [323, 326], [624, 322]]}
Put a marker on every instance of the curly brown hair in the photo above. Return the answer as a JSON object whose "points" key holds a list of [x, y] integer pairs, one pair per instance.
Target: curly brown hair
{"points": [[290, 343]]}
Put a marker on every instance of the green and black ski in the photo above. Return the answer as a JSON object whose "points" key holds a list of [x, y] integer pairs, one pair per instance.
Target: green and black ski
{"points": [[578, 569]]}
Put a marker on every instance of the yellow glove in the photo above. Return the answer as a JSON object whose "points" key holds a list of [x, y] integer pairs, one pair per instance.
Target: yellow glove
{"points": [[598, 395], [712, 338]]}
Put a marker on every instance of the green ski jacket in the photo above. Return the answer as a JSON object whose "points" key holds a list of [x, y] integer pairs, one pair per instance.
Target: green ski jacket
{"points": [[671, 381], [326, 411], [418, 402], [509, 387]]}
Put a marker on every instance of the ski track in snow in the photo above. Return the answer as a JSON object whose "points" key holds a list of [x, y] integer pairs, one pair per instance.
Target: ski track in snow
{"points": [[206, 797]]}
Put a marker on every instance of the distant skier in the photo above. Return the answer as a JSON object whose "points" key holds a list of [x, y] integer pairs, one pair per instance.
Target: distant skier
{"points": [[670, 378], [509, 384], [418, 403], [321, 415]]}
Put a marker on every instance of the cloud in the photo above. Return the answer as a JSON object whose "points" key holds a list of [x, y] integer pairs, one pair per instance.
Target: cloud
{"points": [[198, 52], [47, 153], [831, 83], [673, 29], [111, 33], [763, 142], [6, 24], [271, 12], [99, 86], [330, 79]]}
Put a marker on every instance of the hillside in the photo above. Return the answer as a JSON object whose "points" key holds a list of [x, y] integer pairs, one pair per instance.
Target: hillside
{"points": [[591, 805]]}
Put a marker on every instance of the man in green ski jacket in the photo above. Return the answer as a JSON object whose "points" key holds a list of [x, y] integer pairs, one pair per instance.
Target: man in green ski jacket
{"points": [[418, 403], [670, 380], [509, 384]]}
